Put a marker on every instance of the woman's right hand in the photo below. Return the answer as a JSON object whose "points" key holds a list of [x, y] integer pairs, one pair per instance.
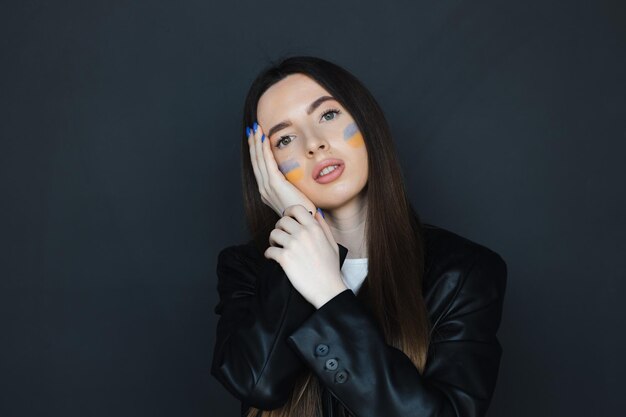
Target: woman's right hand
{"points": [[276, 191]]}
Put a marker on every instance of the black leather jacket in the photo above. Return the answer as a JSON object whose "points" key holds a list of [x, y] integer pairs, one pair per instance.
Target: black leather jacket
{"points": [[267, 333]]}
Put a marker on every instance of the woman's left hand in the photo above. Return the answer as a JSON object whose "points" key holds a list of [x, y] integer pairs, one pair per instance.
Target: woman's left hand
{"points": [[309, 254]]}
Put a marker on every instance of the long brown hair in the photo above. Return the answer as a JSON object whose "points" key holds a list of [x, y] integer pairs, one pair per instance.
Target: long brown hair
{"points": [[393, 289]]}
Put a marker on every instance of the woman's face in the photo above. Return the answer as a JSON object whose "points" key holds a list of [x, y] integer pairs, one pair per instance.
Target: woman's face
{"points": [[300, 141]]}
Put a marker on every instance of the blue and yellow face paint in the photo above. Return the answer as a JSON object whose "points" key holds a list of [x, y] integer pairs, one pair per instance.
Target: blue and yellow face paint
{"points": [[352, 135], [291, 170]]}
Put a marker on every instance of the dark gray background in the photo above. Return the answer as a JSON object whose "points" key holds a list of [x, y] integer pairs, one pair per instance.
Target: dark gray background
{"points": [[119, 162]]}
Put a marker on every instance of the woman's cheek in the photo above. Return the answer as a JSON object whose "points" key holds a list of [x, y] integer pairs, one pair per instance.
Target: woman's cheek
{"points": [[292, 170], [352, 135]]}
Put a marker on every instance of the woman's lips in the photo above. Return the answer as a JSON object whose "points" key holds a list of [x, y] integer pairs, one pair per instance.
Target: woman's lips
{"points": [[324, 164], [331, 176]]}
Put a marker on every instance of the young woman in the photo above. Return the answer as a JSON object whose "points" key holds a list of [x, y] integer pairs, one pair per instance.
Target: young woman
{"points": [[343, 302]]}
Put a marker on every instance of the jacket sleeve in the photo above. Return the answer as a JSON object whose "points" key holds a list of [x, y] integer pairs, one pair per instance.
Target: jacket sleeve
{"points": [[343, 345], [258, 308]]}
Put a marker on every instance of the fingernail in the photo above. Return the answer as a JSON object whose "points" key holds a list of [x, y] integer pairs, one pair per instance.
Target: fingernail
{"points": [[255, 126], [262, 137], [321, 212], [248, 131]]}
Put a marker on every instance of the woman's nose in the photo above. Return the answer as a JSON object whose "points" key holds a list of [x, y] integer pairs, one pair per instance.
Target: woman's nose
{"points": [[316, 143]]}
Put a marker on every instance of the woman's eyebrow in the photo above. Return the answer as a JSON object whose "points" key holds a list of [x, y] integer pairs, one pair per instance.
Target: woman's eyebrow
{"points": [[309, 110]]}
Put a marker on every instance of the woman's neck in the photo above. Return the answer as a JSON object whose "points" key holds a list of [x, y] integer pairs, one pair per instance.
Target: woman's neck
{"points": [[347, 224]]}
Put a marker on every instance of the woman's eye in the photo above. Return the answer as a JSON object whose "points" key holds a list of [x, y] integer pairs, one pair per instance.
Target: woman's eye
{"points": [[281, 140], [331, 111]]}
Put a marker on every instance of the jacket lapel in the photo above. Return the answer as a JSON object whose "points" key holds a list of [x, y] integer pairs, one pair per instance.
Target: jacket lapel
{"points": [[343, 252]]}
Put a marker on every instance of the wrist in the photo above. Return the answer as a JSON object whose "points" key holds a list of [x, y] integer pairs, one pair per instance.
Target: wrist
{"points": [[329, 295]]}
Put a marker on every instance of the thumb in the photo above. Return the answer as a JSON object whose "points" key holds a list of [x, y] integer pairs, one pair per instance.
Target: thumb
{"points": [[322, 222]]}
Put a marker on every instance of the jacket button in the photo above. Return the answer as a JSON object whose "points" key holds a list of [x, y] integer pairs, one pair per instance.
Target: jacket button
{"points": [[331, 364], [341, 377], [321, 350]]}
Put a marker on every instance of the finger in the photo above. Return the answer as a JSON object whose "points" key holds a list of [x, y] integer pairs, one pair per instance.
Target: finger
{"points": [[270, 162], [288, 224], [258, 147], [279, 237], [253, 159], [325, 227], [301, 214], [273, 252], [310, 212]]}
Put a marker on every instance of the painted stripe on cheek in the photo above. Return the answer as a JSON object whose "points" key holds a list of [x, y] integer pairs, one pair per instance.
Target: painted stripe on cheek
{"points": [[291, 170], [353, 136]]}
